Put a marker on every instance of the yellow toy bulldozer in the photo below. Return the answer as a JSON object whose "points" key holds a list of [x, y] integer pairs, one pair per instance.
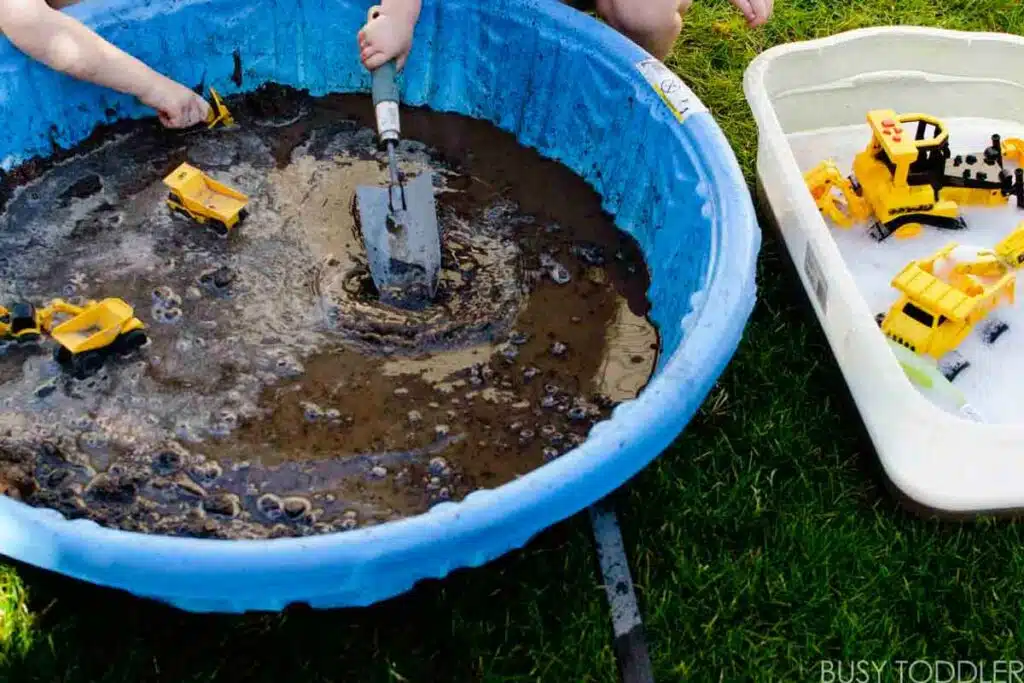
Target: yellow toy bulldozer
{"points": [[204, 200], [907, 175]]}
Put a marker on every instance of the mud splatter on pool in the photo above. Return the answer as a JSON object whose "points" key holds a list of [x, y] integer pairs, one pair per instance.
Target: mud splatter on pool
{"points": [[277, 397]]}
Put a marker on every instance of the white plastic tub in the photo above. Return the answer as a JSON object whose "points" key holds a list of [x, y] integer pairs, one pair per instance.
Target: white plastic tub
{"points": [[810, 100]]}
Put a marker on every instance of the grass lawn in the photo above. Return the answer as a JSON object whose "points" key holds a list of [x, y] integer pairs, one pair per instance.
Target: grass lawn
{"points": [[761, 543]]}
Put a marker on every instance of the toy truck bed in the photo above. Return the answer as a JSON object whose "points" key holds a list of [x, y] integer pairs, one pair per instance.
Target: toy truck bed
{"points": [[204, 196], [923, 287], [95, 328]]}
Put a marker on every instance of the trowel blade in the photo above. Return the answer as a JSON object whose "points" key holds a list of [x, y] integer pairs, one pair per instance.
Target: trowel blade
{"points": [[403, 247]]}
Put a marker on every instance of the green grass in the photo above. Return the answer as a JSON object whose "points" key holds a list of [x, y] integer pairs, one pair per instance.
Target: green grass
{"points": [[761, 543]]}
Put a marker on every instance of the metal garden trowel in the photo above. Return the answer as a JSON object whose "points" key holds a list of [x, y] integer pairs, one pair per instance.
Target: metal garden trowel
{"points": [[399, 223]]}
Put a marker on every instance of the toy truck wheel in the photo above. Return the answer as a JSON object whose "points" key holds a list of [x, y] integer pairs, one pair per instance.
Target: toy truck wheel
{"points": [[62, 355], [219, 227], [84, 365], [131, 341]]}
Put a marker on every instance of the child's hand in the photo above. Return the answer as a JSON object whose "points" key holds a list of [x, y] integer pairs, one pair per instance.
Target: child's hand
{"points": [[756, 12], [383, 38], [176, 105]]}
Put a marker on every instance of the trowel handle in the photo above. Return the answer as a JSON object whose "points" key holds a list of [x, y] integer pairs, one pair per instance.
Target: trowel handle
{"points": [[385, 103], [385, 88], [385, 95]]}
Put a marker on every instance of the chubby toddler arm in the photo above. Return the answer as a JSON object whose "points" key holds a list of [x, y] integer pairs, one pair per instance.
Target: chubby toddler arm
{"points": [[66, 45]]}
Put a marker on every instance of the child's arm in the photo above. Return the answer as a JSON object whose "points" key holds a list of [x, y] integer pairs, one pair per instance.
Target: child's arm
{"points": [[389, 35], [66, 45]]}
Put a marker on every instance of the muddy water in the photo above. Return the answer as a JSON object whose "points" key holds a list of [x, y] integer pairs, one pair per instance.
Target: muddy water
{"points": [[276, 396]]}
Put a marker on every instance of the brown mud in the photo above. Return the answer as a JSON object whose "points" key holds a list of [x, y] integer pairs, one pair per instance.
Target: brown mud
{"points": [[277, 396]]}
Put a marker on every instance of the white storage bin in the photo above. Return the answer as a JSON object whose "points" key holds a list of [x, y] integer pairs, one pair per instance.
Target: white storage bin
{"points": [[810, 100]]}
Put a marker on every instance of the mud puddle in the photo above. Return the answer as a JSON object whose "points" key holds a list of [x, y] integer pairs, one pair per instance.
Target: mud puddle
{"points": [[276, 396]]}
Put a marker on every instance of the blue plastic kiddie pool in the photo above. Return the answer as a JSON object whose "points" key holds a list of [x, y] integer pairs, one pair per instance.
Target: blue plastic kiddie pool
{"points": [[563, 84]]}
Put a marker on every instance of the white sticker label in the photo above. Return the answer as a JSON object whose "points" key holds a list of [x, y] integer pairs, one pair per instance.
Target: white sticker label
{"points": [[388, 125], [812, 268], [679, 98]]}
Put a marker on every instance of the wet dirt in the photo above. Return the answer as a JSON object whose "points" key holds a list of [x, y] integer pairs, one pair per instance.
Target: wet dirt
{"points": [[276, 396]]}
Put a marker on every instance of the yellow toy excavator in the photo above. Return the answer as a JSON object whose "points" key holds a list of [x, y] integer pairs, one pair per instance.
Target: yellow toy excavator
{"points": [[219, 113], [835, 195]]}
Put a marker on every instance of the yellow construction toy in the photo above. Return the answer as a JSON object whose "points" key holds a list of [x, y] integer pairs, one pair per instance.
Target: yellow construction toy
{"points": [[20, 323], [907, 176], [945, 295], [93, 331], [219, 113], [85, 336], [204, 200], [1013, 149], [835, 196]]}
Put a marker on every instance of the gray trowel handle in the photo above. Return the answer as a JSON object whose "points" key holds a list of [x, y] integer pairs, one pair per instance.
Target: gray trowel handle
{"points": [[385, 96]]}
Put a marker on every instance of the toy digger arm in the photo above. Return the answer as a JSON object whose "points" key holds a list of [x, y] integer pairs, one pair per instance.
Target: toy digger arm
{"points": [[218, 111], [57, 306]]}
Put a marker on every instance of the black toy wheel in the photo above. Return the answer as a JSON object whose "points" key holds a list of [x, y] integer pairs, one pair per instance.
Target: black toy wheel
{"points": [[131, 341], [62, 355], [243, 214], [86, 364], [219, 228]]}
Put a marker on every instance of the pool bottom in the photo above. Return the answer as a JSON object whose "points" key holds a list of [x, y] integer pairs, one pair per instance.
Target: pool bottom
{"points": [[276, 397]]}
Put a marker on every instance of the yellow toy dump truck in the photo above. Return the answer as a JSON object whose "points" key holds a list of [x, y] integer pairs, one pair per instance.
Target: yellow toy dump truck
{"points": [[941, 303], [908, 176], [92, 332], [204, 200]]}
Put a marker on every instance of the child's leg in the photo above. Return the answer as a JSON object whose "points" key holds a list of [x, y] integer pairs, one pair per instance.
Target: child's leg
{"points": [[652, 24]]}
